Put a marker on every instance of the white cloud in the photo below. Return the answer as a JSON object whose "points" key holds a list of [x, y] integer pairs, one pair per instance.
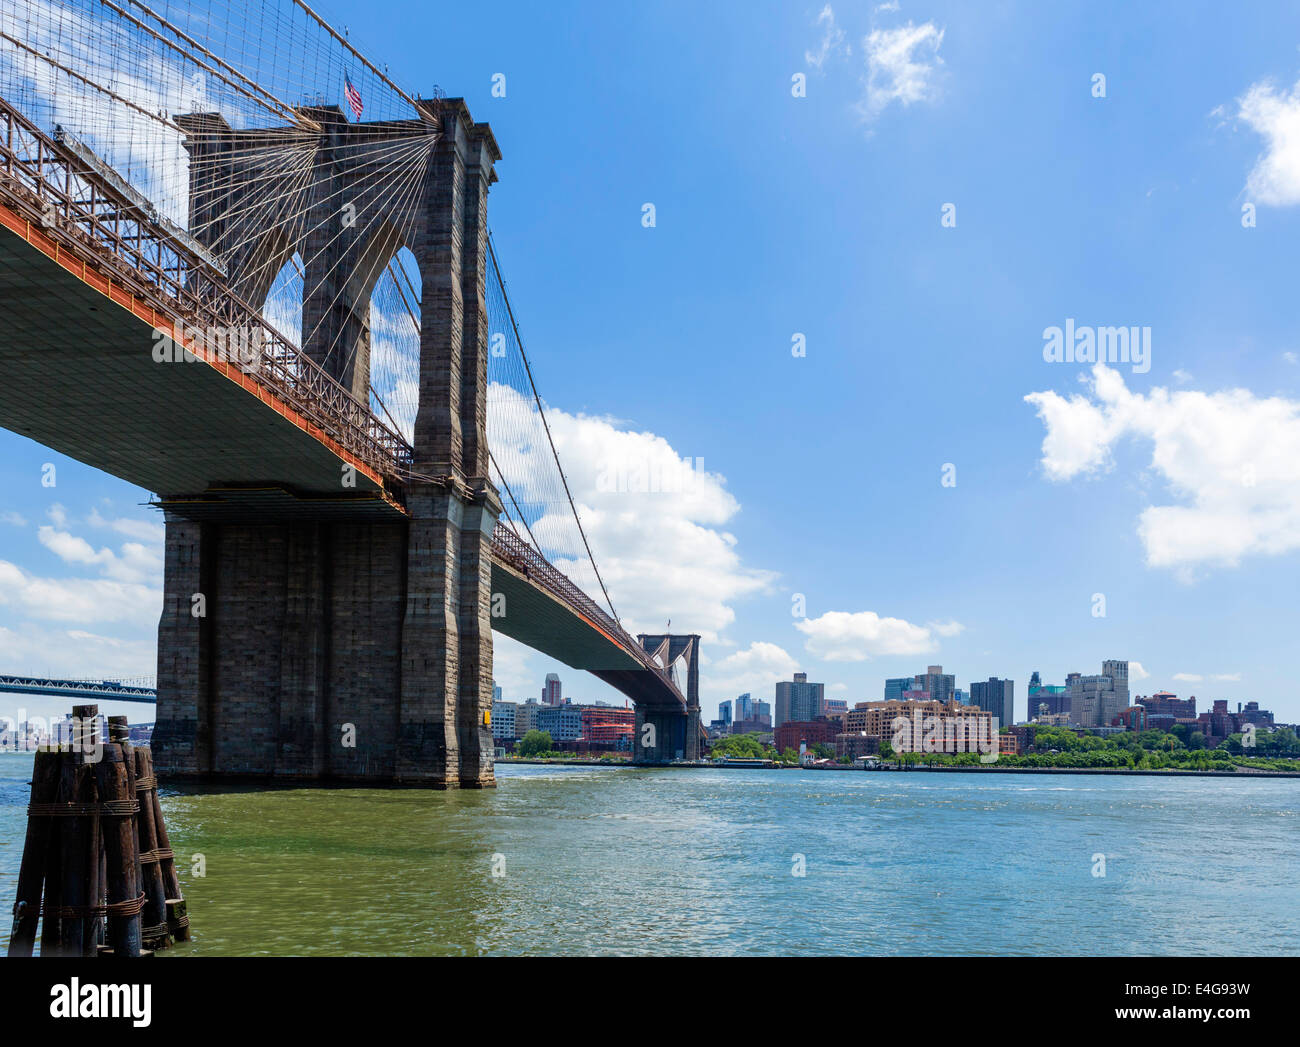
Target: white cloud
{"points": [[1290, 357], [832, 40], [948, 628], [1275, 115], [16, 519], [840, 636], [135, 562], [74, 653], [656, 524], [1188, 677], [141, 530], [1232, 458], [1136, 671], [755, 670], [1226, 677], [81, 600], [902, 65]]}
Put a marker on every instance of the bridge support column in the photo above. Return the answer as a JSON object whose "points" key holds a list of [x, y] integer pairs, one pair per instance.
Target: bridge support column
{"points": [[349, 648], [183, 731]]}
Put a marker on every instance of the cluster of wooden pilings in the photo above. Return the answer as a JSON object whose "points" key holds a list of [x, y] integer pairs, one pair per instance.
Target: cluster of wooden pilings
{"points": [[98, 871]]}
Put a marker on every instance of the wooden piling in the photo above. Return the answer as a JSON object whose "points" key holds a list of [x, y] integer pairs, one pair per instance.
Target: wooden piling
{"points": [[118, 818], [31, 873], [98, 876], [153, 917], [178, 921], [52, 900]]}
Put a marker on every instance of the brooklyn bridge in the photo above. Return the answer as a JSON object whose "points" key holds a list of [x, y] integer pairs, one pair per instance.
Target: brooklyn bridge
{"points": [[245, 270]]}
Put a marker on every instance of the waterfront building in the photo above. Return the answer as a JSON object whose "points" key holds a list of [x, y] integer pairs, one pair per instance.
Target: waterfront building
{"points": [[1165, 703], [563, 722], [607, 727], [855, 745], [1134, 718], [996, 697], [1095, 701], [798, 699], [503, 720], [526, 716], [1045, 699], [952, 720], [793, 733], [939, 684]]}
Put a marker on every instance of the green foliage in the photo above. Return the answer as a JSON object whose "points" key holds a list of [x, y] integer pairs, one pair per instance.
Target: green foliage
{"points": [[740, 747], [534, 743]]}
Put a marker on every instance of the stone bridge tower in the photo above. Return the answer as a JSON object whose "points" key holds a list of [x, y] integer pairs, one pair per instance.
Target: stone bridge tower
{"points": [[335, 642]]}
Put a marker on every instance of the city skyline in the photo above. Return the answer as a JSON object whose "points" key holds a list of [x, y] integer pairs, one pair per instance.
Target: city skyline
{"points": [[1001, 568]]}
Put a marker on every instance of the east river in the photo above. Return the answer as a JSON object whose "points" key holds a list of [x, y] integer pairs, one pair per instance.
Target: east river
{"points": [[588, 860]]}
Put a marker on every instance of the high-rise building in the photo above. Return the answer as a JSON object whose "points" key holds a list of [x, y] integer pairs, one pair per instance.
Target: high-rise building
{"points": [[1094, 701], [496, 692], [552, 690], [744, 707], [1117, 670], [936, 682], [894, 688], [798, 699], [763, 712], [996, 697], [724, 712], [962, 697], [503, 721]]}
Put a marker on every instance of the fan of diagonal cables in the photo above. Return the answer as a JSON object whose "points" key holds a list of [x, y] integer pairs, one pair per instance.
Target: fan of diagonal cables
{"points": [[124, 82]]}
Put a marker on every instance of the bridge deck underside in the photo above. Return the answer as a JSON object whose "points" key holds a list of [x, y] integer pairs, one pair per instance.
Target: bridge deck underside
{"points": [[77, 374], [538, 620]]}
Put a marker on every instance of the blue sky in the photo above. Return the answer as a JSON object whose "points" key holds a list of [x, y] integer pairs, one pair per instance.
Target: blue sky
{"points": [[821, 215]]}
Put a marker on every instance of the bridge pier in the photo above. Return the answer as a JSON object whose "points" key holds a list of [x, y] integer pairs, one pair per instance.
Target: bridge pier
{"points": [[664, 735], [322, 644]]}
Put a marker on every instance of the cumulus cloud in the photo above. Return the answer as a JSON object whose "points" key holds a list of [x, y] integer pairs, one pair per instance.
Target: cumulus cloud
{"points": [[841, 636], [81, 600], [74, 653], [1137, 672], [902, 66], [13, 518], [1275, 115], [656, 521], [1188, 677], [1230, 458], [754, 670]]}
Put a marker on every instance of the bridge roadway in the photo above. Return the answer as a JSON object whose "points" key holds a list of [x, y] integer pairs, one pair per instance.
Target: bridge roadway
{"points": [[217, 442]]}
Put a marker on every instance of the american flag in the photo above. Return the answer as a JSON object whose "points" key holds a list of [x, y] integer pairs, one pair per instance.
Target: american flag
{"points": [[353, 96]]}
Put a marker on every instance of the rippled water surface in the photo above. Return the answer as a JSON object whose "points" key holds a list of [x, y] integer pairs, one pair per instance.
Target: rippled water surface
{"points": [[601, 860]]}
